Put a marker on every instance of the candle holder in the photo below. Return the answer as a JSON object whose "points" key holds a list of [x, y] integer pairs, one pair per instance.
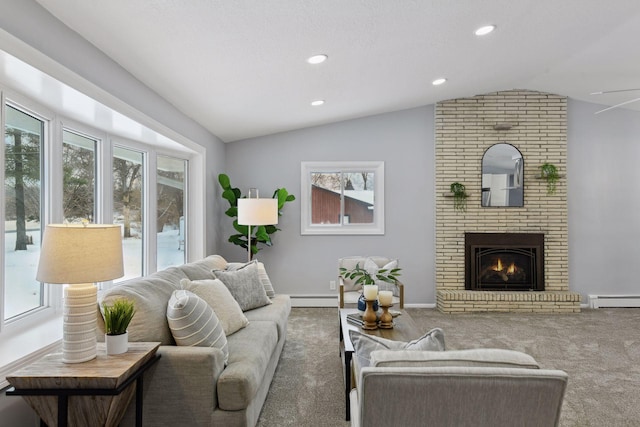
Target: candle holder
{"points": [[369, 317], [386, 319]]}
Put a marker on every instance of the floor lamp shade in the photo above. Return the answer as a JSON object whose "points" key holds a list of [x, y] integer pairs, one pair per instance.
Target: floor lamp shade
{"points": [[80, 255], [257, 212]]}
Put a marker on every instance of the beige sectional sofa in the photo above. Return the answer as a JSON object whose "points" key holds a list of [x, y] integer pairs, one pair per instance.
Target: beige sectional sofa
{"points": [[191, 385]]}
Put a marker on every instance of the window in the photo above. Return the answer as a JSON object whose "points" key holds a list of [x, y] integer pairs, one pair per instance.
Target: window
{"points": [[170, 220], [78, 177], [127, 207], [24, 142], [342, 198]]}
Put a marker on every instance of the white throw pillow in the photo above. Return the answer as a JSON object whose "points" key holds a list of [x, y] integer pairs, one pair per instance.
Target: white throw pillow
{"points": [[364, 344], [372, 268], [216, 294], [193, 322]]}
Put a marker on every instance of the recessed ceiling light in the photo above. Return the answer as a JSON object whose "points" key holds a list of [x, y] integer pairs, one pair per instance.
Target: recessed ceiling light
{"points": [[317, 59], [438, 82], [483, 31], [317, 103]]}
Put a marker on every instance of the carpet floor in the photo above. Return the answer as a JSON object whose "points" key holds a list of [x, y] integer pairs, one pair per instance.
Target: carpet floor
{"points": [[599, 349]]}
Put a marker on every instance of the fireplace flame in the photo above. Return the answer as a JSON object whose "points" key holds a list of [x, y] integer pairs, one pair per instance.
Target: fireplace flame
{"points": [[501, 268]]}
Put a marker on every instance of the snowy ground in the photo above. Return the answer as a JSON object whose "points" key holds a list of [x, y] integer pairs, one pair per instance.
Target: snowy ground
{"points": [[22, 291]]}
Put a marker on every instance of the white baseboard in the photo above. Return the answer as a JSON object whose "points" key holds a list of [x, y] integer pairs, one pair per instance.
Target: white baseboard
{"points": [[332, 301], [314, 300], [601, 301]]}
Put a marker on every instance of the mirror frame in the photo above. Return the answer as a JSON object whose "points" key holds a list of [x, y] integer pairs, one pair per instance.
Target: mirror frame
{"points": [[512, 183]]}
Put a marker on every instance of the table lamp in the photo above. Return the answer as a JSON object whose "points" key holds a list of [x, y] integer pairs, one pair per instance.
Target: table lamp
{"points": [[80, 255], [256, 212]]}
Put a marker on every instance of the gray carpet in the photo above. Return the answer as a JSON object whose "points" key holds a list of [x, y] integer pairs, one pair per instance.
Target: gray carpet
{"points": [[599, 349]]}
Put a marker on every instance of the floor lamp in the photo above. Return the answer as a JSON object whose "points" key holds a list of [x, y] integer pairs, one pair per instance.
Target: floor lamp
{"points": [[80, 255], [256, 212]]}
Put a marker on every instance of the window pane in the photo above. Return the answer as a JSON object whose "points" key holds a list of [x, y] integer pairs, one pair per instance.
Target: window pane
{"points": [[325, 197], [358, 198], [24, 137], [127, 207], [170, 217], [78, 165]]}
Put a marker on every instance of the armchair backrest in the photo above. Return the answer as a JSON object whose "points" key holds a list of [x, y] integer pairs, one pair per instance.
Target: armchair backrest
{"points": [[458, 396]]}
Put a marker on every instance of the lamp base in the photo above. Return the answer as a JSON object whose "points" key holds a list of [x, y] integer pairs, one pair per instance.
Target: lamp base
{"points": [[79, 323]]}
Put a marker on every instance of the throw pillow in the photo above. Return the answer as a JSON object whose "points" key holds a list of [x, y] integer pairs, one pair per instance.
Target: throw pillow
{"points": [[262, 274], [372, 268], [216, 294], [364, 344], [244, 284], [193, 323]]}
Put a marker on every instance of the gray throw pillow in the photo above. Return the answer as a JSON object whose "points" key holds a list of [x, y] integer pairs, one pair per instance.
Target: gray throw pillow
{"points": [[193, 323], [262, 274], [364, 344], [244, 284]]}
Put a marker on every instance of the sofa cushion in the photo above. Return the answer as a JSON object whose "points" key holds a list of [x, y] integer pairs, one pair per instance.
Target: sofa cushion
{"points": [[193, 322], [250, 350], [364, 344], [245, 286], [216, 294], [277, 312], [480, 357]]}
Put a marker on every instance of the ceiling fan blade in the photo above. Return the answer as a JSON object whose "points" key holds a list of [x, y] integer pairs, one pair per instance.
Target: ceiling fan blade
{"points": [[617, 105], [602, 92]]}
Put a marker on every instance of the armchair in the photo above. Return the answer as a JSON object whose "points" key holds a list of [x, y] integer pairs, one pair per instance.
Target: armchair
{"points": [[485, 387], [349, 292]]}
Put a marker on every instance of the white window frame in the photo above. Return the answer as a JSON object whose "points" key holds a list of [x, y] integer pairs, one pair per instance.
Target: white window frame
{"points": [[344, 228]]}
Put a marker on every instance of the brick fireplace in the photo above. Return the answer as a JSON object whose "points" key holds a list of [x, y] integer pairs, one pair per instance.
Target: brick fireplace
{"points": [[534, 123]]}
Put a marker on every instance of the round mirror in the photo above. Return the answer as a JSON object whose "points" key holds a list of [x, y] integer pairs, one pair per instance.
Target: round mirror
{"points": [[502, 176]]}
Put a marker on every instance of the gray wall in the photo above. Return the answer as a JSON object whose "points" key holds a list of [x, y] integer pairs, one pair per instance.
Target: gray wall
{"points": [[604, 200], [303, 265], [27, 21]]}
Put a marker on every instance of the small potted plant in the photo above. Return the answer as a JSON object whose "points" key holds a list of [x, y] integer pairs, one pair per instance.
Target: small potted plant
{"points": [[549, 173], [459, 196], [363, 277], [117, 317]]}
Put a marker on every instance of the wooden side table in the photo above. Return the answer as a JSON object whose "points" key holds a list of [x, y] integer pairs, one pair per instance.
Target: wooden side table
{"points": [[93, 393]]}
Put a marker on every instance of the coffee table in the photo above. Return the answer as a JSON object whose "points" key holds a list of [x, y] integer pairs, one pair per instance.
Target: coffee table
{"points": [[404, 329]]}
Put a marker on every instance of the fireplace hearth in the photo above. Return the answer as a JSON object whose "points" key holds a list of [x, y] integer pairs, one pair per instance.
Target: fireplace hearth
{"points": [[504, 261]]}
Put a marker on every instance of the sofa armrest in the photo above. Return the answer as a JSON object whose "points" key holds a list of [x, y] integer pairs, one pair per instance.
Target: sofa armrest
{"points": [[181, 388]]}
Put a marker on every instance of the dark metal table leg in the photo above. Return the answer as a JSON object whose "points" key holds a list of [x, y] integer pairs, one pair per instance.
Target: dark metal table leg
{"points": [[139, 386], [63, 406], [347, 383]]}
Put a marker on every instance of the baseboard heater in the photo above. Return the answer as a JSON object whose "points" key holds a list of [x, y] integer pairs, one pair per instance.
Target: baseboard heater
{"points": [[314, 300], [602, 301]]}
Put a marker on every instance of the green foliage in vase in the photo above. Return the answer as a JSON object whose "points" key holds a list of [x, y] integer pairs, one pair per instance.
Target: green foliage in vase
{"points": [[260, 234], [117, 316], [362, 276]]}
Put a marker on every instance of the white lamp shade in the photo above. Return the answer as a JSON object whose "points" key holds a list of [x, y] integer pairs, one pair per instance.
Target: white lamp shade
{"points": [[80, 253], [257, 211]]}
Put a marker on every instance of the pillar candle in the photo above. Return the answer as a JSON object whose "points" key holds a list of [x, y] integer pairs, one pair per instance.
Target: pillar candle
{"points": [[370, 292], [385, 297]]}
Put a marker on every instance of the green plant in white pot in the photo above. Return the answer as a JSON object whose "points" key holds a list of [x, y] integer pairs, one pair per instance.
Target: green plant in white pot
{"points": [[117, 317]]}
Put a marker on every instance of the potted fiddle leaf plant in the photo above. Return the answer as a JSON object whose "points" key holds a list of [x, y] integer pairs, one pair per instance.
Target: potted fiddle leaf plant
{"points": [[117, 317], [260, 234], [549, 173], [459, 196]]}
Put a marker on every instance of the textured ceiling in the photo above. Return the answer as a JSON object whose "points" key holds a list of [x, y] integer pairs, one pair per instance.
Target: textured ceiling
{"points": [[238, 67]]}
